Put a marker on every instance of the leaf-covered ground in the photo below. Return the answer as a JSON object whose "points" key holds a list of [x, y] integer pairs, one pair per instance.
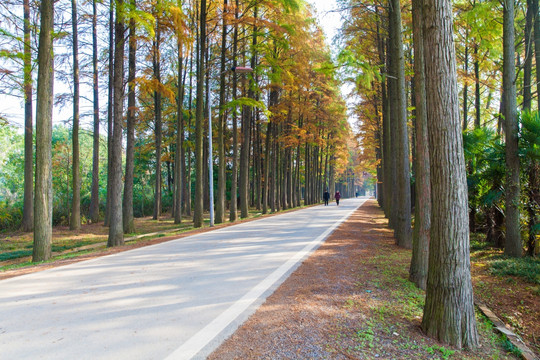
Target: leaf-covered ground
{"points": [[350, 300]]}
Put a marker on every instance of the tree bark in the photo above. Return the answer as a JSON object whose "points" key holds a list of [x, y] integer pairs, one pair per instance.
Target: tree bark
{"points": [[190, 134], [536, 26], [422, 210], [246, 133], [158, 120], [466, 86], [403, 215], [199, 120], [116, 228], [75, 221], [110, 111], [234, 176], [527, 66], [513, 246], [476, 87], [28, 207], [222, 180], [449, 311], [94, 202], [43, 199], [180, 161], [127, 206]]}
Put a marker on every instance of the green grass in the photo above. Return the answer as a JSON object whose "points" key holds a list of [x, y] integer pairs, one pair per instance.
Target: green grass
{"points": [[10, 255], [526, 268]]}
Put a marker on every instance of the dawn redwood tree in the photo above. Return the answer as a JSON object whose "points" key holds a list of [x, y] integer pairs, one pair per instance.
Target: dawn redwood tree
{"points": [[220, 199], [75, 221], [527, 66], [449, 311], [157, 110], [43, 205], [402, 221], [513, 245], [536, 34], [94, 201], [127, 205], [110, 110], [116, 228], [233, 213], [179, 160], [199, 119], [422, 208], [28, 207], [247, 114]]}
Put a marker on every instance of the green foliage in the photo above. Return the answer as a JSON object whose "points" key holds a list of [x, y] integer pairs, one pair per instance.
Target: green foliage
{"points": [[440, 350], [364, 72], [244, 101], [10, 216], [526, 268], [484, 156], [530, 136], [14, 254]]}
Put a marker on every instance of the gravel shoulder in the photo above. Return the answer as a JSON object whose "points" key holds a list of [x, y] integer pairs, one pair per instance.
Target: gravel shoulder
{"points": [[349, 300]]}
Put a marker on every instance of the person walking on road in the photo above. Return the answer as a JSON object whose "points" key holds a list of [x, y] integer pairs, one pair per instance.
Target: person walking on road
{"points": [[326, 197], [337, 196]]}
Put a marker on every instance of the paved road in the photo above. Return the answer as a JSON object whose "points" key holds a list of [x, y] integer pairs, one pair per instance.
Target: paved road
{"points": [[175, 300]]}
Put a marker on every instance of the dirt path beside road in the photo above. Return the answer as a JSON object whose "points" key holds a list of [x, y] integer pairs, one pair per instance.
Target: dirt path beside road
{"points": [[349, 300]]}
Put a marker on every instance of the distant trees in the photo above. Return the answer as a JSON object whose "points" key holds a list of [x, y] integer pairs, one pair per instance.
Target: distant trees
{"points": [[285, 150]]}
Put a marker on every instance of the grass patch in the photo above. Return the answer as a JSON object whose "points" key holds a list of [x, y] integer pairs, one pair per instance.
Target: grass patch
{"points": [[10, 255], [526, 268]]}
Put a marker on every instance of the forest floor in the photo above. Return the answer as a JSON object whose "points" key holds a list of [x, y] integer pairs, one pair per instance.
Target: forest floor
{"points": [[351, 299]]}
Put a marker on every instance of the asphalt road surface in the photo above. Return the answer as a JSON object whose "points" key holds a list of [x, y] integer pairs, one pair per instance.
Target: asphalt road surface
{"points": [[175, 300]]}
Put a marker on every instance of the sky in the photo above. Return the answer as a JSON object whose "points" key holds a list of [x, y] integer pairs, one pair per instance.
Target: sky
{"points": [[329, 21]]}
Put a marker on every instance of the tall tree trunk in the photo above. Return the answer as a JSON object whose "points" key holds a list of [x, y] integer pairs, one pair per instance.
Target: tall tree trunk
{"points": [[94, 201], [110, 111], [43, 200], [222, 121], [466, 86], [476, 87], [536, 26], [180, 161], [403, 214], [116, 228], [199, 120], [386, 147], [234, 176], [28, 207], [449, 311], [392, 136], [75, 221], [190, 134], [514, 246], [422, 210], [246, 133], [267, 164], [158, 120], [206, 137], [527, 67], [127, 206]]}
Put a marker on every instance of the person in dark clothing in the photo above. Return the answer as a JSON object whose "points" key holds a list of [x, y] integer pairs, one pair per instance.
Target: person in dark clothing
{"points": [[326, 197], [337, 196]]}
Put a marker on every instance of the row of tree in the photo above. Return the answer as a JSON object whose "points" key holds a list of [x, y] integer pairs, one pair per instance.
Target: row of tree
{"points": [[413, 64], [281, 133]]}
